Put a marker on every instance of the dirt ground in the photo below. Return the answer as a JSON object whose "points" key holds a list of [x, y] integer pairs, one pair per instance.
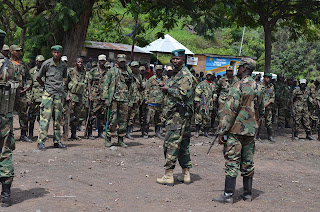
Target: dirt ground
{"points": [[88, 177]]}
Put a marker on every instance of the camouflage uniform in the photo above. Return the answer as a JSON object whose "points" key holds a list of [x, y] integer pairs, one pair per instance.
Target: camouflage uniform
{"points": [[269, 95], [143, 108], [311, 89], [301, 111], [284, 103], [136, 97]]}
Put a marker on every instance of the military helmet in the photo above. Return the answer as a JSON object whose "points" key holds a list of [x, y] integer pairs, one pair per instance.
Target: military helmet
{"points": [[248, 62], [40, 58]]}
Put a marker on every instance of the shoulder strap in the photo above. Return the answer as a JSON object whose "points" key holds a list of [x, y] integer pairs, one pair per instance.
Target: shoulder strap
{"points": [[6, 61]]}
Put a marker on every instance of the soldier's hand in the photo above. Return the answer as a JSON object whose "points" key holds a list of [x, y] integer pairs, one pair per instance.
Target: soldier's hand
{"points": [[24, 90], [30, 102], [221, 141], [106, 102]]}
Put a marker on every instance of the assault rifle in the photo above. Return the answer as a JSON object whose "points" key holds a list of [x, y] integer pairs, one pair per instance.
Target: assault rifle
{"points": [[214, 140], [206, 109]]}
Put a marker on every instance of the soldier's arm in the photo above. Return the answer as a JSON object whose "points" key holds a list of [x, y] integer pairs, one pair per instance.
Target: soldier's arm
{"points": [[41, 73], [272, 96], [198, 92]]}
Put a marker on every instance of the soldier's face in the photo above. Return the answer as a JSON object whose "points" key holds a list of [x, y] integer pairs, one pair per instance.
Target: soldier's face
{"points": [[159, 72], [209, 77], [15, 53], [135, 69], [122, 64], [266, 79], [241, 70], [229, 73], [102, 62], [56, 55], [39, 63], [79, 63], [303, 86], [177, 61]]}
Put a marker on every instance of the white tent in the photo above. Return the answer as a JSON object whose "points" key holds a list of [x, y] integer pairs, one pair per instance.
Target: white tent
{"points": [[166, 45]]}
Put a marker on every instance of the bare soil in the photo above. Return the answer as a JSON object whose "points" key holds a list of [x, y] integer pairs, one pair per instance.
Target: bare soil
{"points": [[89, 177]]}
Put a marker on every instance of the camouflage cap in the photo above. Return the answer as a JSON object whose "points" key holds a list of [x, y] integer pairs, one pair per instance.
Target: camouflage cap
{"points": [[229, 68], [107, 64], [64, 58], [178, 53], [142, 68], [318, 79], [158, 67], [2, 33], [40, 58], [5, 47], [134, 63], [15, 48], [248, 62], [210, 73], [303, 81], [57, 48], [122, 58], [268, 75], [169, 68], [102, 57]]}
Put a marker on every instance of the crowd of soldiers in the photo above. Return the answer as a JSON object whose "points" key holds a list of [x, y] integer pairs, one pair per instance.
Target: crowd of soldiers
{"points": [[109, 98]]}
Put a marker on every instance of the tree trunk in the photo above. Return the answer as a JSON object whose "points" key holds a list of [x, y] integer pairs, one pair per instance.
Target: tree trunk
{"points": [[267, 47], [23, 37], [74, 39]]}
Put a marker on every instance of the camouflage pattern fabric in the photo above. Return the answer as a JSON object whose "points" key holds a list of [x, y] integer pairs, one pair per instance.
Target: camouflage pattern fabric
{"points": [[154, 112], [136, 97], [301, 111], [34, 112], [143, 106], [51, 106], [311, 89], [153, 93], [177, 113], [269, 95], [284, 105], [133, 111], [118, 117]]}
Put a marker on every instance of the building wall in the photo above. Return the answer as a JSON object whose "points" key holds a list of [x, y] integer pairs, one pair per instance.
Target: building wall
{"points": [[201, 63]]}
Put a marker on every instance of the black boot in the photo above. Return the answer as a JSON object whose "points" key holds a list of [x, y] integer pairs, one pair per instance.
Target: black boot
{"points": [[309, 136], [296, 135], [74, 133], [107, 143], [197, 131], [121, 142], [31, 128], [90, 131], [129, 129], [229, 188], [270, 138], [247, 188], [59, 145], [146, 131], [100, 132], [24, 137], [206, 132], [158, 132], [5, 195]]}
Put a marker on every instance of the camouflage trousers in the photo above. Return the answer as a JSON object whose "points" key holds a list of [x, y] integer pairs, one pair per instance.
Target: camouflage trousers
{"points": [[302, 119], [133, 111], [118, 117], [51, 106], [201, 118], [76, 113], [34, 112], [268, 116], [7, 145], [98, 111], [177, 141], [21, 106], [238, 152], [154, 112], [283, 114]]}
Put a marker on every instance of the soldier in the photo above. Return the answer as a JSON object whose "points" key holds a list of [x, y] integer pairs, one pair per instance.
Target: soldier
{"points": [[300, 111], [237, 128], [35, 95], [311, 89], [116, 94], [9, 81], [21, 104], [97, 76], [283, 101], [76, 90], [154, 99], [204, 99], [54, 71], [315, 99], [169, 70], [143, 106], [5, 50], [177, 113], [135, 96]]}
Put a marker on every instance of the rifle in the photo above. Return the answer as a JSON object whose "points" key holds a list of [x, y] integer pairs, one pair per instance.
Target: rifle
{"points": [[214, 140], [67, 122], [87, 120], [206, 109]]}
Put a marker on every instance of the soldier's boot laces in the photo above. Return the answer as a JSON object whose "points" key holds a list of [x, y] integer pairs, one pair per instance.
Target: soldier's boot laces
{"points": [[107, 143], [167, 178], [247, 188], [197, 131], [121, 142], [185, 176], [24, 137], [295, 135], [5, 195], [129, 130], [158, 132], [100, 132], [309, 136], [227, 197], [269, 132], [74, 133], [31, 128]]}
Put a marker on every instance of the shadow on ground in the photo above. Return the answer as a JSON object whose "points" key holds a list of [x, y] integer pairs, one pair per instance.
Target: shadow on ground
{"points": [[18, 195]]}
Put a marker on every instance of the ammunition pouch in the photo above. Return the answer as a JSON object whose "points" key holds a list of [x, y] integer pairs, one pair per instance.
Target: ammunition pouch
{"points": [[8, 92]]}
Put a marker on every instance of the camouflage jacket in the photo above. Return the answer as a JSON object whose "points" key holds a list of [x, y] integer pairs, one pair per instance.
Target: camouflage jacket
{"points": [[22, 69], [77, 85], [136, 89], [223, 87], [208, 89], [153, 93], [312, 90], [243, 108], [118, 84], [268, 92], [35, 91], [96, 77], [8, 73], [300, 99]]}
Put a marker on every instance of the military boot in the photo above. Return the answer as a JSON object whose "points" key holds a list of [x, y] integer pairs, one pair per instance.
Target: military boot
{"points": [[309, 136], [247, 188], [197, 131], [5, 195], [100, 132], [296, 135], [185, 176], [129, 129], [90, 133], [107, 143], [269, 132], [146, 131], [121, 142], [229, 188], [206, 131], [74, 133], [167, 178], [158, 132], [31, 128], [24, 137]]}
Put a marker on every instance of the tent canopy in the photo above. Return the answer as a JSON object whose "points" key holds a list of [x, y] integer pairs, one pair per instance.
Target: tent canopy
{"points": [[166, 45]]}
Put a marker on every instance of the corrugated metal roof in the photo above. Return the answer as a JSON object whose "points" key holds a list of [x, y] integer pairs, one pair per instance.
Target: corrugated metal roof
{"points": [[115, 46]]}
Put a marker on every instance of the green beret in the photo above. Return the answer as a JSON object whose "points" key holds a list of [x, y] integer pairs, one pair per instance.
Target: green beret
{"points": [[2, 33], [57, 48], [268, 75], [178, 53], [134, 63]]}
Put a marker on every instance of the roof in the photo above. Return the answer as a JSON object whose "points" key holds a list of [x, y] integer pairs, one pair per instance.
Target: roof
{"points": [[115, 46], [226, 56], [166, 45]]}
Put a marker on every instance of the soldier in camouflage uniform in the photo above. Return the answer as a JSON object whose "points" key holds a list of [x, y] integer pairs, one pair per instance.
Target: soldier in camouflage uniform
{"points": [[283, 99], [76, 90], [9, 81], [300, 111], [155, 99], [143, 106], [97, 77], [237, 128], [315, 99], [177, 113], [204, 99], [54, 72], [311, 89], [21, 105], [34, 95], [116, 90]]}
